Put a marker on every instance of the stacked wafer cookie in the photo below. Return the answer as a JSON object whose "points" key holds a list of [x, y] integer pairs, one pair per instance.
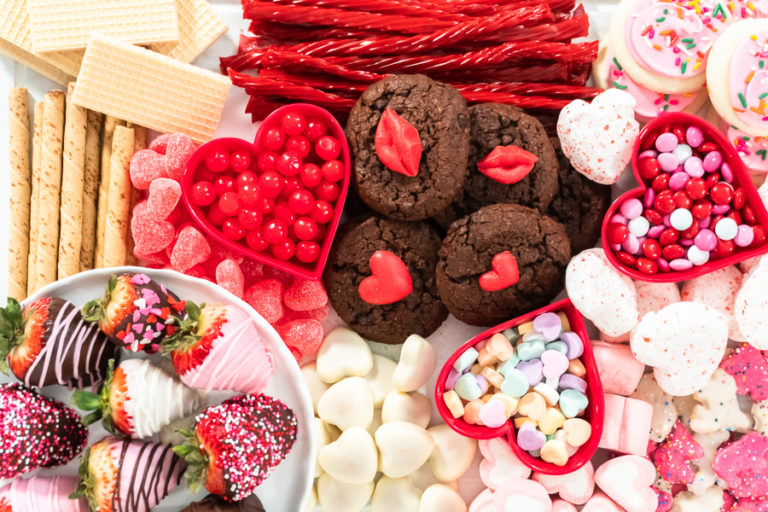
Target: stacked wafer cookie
{"points": [[70, 190]]}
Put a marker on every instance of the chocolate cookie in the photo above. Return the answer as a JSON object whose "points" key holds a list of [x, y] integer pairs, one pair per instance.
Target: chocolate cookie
{"points": [[579, 205], [440, 115], [539, 244], [416, 243]]}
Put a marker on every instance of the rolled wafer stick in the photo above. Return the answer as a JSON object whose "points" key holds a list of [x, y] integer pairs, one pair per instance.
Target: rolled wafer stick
{"points": [[118, 211], [140, 135], [72, 183], [18, 150], [90, 188], [101, 212], [34, 206], [50, 188]]}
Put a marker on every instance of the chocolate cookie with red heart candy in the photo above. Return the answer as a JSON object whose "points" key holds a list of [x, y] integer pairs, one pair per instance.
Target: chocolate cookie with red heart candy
{"points": [[403, 256], [500, 262]]}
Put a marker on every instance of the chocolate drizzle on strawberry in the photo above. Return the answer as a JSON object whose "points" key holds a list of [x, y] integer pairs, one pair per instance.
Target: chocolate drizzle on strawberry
{"points": [[146, 488]]}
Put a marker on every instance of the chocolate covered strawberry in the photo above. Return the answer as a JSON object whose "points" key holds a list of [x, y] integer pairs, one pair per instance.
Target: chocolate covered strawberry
{"points": [[48, 342], [50, 494], [213, 503], [124, 475], [237, 444], [137, 399], [36, 431], [136, 312], [219, 347]]}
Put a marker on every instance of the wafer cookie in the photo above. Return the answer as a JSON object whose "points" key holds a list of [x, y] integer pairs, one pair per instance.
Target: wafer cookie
{"points": [[50, 188], [34, 206], [118, 212], [199, 27], [90, 188], [110, 123], [150, 89], [18, 151], [33, 62], [140, 136], [72, 182]]}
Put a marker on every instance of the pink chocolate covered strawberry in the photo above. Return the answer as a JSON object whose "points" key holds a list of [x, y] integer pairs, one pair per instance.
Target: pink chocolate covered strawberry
{"points": [[237, 444], [50, 494], [36, 431], [219, 347], [136, 312], [47, 342], [124, 475], [137, 399]]}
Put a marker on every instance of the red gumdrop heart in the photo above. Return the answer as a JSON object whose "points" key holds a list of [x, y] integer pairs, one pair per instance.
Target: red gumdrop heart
{"points": [[190, 248], [303, 337], [178, 151], [266, 297], [230, 277], [507, 164], [389, 281], [505, 273], [397, 143], [146, 166], [164, 195], [150, 236], [160, 144], [305, 295]]}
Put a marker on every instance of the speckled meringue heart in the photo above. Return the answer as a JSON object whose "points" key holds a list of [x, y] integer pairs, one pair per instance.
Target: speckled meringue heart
{"points": [[601, 293], [718, 290], [684, 342], [751, 304], [598, 138]]}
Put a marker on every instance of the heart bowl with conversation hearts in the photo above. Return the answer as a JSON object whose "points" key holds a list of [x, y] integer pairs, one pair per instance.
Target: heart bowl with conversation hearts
{"points": [[532, 380], [277, 200], [696, 209]]}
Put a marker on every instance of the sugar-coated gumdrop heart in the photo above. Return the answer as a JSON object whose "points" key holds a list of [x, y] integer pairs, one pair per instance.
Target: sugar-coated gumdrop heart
{"points": [[146, 165], [505, 273], [266, 297], [160, 143], [230, 277], [164, 195], [627, 480], [305, 295], [390, 280], [149, 236], [178, 149], [695, 211], [190, 248], [303, 336]]}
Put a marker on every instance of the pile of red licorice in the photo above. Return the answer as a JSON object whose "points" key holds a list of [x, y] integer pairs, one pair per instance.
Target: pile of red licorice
{"points": [[327, 52]]}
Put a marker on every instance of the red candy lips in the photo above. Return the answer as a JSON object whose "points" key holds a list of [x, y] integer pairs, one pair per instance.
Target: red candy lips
{"points": [[696, 210], [280, 199]]}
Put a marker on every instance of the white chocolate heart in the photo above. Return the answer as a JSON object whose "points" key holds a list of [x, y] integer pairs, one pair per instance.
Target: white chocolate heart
{"points": [[314, 383], [311, 501], [352, 458], [321, 440], [343, 353], [335, 496], [403, 446], [380, 378], [376, 423], [410, 407], [417, 362], [441, 498], [453, 453], [395, 494], [423, 478], [348, 403]]}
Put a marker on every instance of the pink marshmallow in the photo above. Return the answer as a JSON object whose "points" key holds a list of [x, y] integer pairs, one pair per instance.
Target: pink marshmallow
{"points": [[619, 370], [521, 494], [601, 503], [575, 487], [562, 506], [500, 464], [627, 480], [627, 425]]}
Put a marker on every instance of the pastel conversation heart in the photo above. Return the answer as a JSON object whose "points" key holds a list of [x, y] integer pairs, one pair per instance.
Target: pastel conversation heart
{"points": [[389, 281], [555, 364], [529, 438], [598, 138], [505, 273], [492, 414], [576, 487], [548, 325], [627, 480]]}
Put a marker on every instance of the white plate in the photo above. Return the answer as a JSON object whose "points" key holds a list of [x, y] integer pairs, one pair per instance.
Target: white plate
{"points": [[295, 473]]}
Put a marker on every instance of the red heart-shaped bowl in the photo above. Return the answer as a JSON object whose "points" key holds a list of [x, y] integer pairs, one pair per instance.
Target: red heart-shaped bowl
{"points": [[741, 180], [593, 414], [196, 166]]}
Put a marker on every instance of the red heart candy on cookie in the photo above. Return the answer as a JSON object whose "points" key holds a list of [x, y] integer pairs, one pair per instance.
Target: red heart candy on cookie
{"points": [[390, 280], [505, 273], [696, 209]]}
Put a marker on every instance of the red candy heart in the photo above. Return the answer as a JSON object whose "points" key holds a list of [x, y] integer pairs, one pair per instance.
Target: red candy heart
{"points": [[190, 249], [680, 202], [389, 282], [397, 144], [164, 194], [507, 164], [505, 273], [146, 165]]}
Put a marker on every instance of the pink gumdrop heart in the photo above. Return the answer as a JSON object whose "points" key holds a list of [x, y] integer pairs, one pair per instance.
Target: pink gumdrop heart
{"points": [[302, 336], [305, 295], [150, 236], [178, 149], [190, 248], [160, 143], [164, 195], [146, 166], [492, 414], [266, 297], [555, 364], [230, 277]]}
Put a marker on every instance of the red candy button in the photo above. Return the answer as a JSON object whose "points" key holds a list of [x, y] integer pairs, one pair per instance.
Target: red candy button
{"points": [[617, 232]]}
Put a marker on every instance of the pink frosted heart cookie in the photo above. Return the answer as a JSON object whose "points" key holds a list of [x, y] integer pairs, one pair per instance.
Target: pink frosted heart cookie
{"points": [[743, 466], [576, 487], [627, 480], [718, 290], [598, 138]]}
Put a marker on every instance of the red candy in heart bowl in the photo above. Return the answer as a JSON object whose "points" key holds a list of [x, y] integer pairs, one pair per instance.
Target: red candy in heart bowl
{"points": [[697, 209], [539, 365], [278, 200]]}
